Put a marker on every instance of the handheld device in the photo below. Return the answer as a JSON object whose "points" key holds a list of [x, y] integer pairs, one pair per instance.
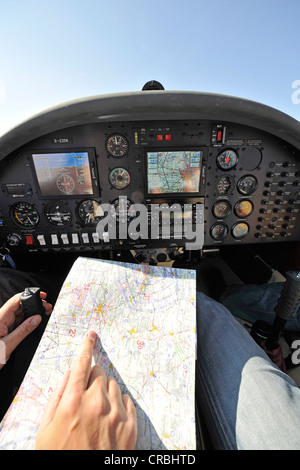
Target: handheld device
{"points": [[31, 302]]}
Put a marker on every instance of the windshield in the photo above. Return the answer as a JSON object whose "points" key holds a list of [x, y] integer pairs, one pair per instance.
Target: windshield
{"points": [[59, 50]]}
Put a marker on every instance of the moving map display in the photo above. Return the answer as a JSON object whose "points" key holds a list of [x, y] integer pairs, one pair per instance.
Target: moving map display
{"points": [[173, 171]]}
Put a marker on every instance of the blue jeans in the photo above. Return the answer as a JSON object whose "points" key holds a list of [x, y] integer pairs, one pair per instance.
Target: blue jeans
{"points": [[247, 401], [257, 302]]}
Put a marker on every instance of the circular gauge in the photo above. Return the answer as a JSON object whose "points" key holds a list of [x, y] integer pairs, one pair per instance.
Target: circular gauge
{"points": [[240, 230], [58, 214], [65, 184], [219, 231], [243, 208], [224, 184], [121, 210], [227, 159], [221, 209], [247, 185], [119, 178], [24, 215], [117, 145], [90, 212]]}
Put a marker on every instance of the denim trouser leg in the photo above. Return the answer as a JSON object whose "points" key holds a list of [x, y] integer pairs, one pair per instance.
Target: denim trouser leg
{"points": [[248, 401]]}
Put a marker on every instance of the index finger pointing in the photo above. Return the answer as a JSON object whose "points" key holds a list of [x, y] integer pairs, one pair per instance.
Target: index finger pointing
{"points": [[81, 368]]}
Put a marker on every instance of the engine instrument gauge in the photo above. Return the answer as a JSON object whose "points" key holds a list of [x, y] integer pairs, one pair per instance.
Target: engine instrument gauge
{"points": [[58, 213], [247, 185], [227, 159], [90, 212], [219, 231], [224, 185], [117, 145], [119, 178], [240, 230], [243, 208], [24, 215], [221, 209]]}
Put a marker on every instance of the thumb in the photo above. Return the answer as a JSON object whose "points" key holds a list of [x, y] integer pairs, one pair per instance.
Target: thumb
{"points": [[13, 339]]}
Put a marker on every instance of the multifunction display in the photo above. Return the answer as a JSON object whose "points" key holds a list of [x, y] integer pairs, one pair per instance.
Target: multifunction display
{"points": [[176, 171]]}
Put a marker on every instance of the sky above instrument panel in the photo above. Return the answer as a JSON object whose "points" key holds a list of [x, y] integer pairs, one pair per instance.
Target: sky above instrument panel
{"points": [[52, 51]]}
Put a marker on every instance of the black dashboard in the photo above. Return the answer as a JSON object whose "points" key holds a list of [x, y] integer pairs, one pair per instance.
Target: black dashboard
{"points": [[150, 170]]}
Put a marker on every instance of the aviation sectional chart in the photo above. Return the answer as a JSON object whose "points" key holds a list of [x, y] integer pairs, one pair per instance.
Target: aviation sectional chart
{"points": [[145, 320]]}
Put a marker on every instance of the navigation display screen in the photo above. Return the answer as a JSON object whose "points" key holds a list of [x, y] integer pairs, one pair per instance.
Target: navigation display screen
{"points": [[63, 173], [173, 171]]}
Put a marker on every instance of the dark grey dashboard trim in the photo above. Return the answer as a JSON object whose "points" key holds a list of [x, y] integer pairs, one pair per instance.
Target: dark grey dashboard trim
{"points": [[153, 105]]}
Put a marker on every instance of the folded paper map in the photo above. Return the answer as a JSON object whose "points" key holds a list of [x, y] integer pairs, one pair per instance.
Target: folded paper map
{"points": [[145, 318]]}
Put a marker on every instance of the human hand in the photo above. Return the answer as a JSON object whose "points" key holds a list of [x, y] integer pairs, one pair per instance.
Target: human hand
{"points": [[13, 327], [87, 411]]}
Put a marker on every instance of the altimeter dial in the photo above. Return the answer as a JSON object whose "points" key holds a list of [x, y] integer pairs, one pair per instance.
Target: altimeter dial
{"points": [[117, 145]]}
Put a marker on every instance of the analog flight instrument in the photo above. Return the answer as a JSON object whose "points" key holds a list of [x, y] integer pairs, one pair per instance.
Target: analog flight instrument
{"points": [[221, 209], [243, 208], [24, 215], [90, 212], [119, 178], [240, 230], [117, 145], [227, 159], [58, 213], [122, 210], [224, 184], [247, 185], [219, 231]]}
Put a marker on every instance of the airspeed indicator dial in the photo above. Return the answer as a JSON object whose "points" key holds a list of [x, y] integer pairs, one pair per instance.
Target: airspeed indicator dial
{"points": [[24, 215]]}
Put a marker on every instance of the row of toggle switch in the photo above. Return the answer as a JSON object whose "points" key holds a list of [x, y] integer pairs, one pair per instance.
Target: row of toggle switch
{"points": [[70, 239]]}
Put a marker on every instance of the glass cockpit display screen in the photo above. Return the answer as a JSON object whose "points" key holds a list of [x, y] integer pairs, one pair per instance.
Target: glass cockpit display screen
{"points": [[66, 173], [174, 171]]}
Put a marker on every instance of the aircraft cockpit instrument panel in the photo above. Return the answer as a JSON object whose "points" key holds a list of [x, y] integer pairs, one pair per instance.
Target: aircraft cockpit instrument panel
{"points": [[126, 184]]}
